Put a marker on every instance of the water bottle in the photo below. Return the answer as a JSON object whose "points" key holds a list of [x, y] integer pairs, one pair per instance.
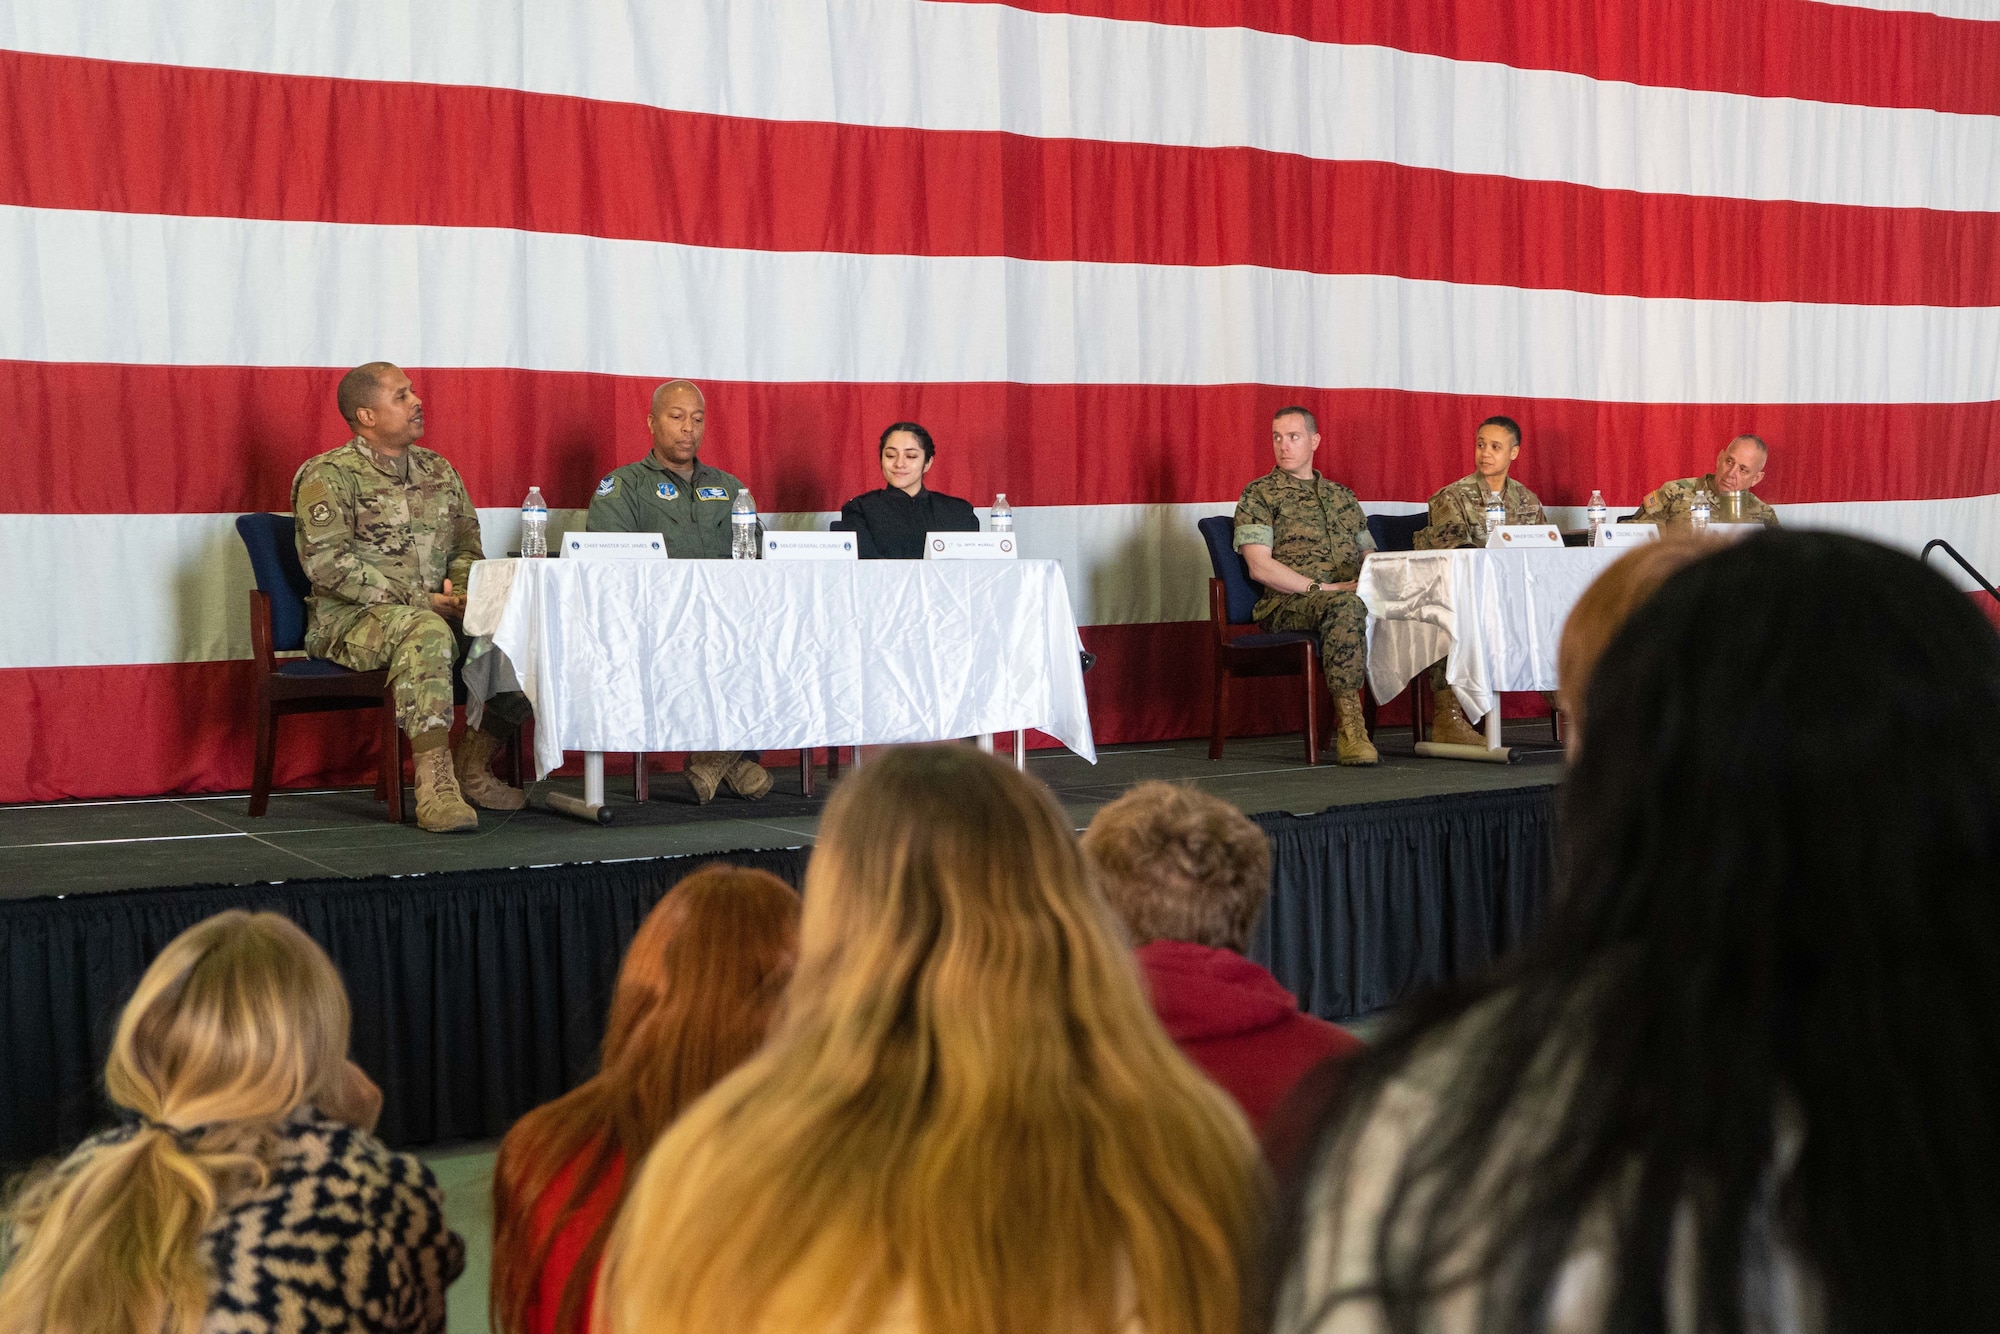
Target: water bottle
{"points": [[1496, 512], [1001, 518], [743, 527], [534, 524], [1698, 514], [1596, 515]]}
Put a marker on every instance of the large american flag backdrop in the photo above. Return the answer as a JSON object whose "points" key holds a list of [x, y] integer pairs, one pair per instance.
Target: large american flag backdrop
{"points": [[1090, 243]]}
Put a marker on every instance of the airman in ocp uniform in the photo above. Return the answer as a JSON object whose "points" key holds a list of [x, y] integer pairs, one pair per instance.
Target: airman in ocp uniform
{"points": [[388, 536], [1458, 519], [1738, 467], [672, 492], [1303, 537]]}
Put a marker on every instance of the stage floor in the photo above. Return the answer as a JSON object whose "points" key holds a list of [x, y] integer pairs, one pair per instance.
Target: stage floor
{"points": [[89, 847]]}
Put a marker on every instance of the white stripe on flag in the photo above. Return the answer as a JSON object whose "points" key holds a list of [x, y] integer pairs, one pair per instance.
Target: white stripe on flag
{"points": [[179, 580], [152, 289], [991, 67]]}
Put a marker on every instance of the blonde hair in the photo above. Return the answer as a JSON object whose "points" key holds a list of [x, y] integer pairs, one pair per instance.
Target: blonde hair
{"points": [[966, 1106], [1179, 864], [239, 1021], [1597, 617]]}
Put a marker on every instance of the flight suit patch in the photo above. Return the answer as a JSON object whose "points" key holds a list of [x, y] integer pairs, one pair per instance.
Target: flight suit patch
{"points": [[667, 491], [607, 486], [711, 493]]}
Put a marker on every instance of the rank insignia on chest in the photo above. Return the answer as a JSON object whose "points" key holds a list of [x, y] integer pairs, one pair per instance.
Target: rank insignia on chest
{"points": [[607, 486], [711, 493], [667, 491]]}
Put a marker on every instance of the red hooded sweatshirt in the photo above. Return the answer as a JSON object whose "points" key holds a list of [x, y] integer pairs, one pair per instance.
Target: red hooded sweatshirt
{"points": [[1237, 1022]]}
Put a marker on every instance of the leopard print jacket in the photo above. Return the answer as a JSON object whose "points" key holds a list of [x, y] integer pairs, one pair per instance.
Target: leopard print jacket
{"points": [[345, 1236]]}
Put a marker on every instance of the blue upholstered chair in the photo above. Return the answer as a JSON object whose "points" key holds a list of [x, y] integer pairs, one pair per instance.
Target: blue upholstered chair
{"points": [[303, 685], [1242, 650], [1397, 532]]}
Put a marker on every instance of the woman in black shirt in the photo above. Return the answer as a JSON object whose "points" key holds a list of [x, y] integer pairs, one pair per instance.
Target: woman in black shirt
{"points": [[890, 524]]}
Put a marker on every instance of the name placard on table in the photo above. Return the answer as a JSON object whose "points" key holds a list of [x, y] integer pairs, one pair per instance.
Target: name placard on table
{"points": [[1524, 537], [1620, 535], [809, 546], [614, 546], [970, 546]]}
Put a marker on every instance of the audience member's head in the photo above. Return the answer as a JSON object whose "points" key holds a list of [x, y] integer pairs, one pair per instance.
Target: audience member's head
{"points": [[694, 998], [1179, 864], [240, 1022], [967, 1118], [1748, 1072], [1602, 610]]}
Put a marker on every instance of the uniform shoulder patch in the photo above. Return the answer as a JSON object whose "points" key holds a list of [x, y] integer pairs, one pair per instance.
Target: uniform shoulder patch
{"points": [[608, 485], [711, 493], [316, 503], [667, 491]]}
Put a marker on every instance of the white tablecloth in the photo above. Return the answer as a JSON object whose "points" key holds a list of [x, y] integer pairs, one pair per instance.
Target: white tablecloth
{"points": [[1495, 617], [681, 655]]}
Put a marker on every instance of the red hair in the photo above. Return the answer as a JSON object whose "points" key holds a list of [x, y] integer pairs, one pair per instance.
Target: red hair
{"points": [[694, 999]]}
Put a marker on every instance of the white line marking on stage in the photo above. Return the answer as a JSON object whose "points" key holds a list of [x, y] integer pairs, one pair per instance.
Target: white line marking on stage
{"points": [[265, 842], [156, 801], [95, 842]]}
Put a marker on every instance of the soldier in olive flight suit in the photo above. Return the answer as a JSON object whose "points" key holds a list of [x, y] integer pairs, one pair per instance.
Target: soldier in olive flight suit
{"points": [[672, 492], [1458, 519], [387, 535], [1303, 537], [1738, 467]]}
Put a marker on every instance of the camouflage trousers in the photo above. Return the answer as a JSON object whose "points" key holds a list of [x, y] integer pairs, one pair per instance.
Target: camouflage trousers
{"points": [[419, 647], [1341, 622]]}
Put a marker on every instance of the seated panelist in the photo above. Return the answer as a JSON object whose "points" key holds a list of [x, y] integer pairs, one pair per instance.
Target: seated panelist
{"points": [[1738, 467], [1458, 519], [673, 493], [1303, 537], [890, 524], [388, 537], [670, 491]]}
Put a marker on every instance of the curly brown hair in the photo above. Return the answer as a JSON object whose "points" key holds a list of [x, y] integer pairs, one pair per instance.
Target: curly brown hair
{"points": [[1179, 864]]}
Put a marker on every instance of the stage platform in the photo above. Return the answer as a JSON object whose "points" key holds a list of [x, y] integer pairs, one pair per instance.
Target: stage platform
{"points": [[479, 966], [92, 846]]}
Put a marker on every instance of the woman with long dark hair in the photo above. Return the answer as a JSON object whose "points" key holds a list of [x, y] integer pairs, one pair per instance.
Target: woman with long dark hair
{"points": [[1748, 1075], [695, 995]]}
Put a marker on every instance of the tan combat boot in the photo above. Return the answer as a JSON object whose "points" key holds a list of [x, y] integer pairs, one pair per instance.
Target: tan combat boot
{"points": [[1351, 744], [440, 808], [472, 760], [704, 772], [748, 779], [1449, 725]]}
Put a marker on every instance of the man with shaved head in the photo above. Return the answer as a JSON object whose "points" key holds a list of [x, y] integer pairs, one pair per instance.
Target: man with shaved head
{"points": [[387, 535], [672, 492], [1738, 467]]}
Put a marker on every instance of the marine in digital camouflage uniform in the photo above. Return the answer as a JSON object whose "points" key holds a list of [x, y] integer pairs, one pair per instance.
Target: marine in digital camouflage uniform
{"points": [[380, 530], [672, 492], [1313, 527]]}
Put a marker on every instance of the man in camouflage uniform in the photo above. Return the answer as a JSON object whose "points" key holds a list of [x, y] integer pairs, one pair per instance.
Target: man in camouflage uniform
{"points": [[1738, 467], [672, 492], [387, 535], [1303, 538], [1458, 519]]}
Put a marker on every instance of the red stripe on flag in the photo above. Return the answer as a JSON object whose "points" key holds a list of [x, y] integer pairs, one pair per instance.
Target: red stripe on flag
{"points": [[1776, 48], [88, 136], [230, 438]]}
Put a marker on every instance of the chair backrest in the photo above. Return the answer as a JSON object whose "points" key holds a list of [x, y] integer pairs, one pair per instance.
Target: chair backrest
{"points": [[1240, 589], [274, 561], [1397, 532]]}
